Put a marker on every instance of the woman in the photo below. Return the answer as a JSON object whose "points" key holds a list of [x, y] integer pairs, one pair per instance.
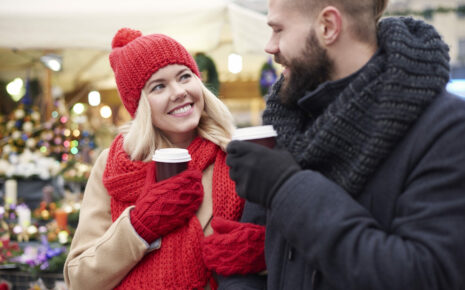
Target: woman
{"points": [[136, 233]]}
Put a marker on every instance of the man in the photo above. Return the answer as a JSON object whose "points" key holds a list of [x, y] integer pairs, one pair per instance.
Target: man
{"points": [[366, 188]]}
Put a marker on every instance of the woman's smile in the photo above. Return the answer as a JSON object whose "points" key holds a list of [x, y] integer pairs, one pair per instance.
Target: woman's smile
{"points": [[182, 111]]}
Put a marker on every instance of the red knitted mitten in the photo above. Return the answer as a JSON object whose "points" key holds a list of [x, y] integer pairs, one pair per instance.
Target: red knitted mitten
{"points": [[167, 205], [234, 248]]}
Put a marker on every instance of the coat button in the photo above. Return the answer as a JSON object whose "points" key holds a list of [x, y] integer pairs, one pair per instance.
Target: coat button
{"points": [[290, 254]]}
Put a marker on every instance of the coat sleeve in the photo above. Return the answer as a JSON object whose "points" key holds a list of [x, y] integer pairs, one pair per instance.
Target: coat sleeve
{"points": [[102, 252], [424, 246]]}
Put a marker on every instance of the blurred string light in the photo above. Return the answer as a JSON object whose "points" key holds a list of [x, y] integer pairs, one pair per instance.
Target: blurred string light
{"points": [[94, 98], [52, 61], [457, 86], [78, 108], [16, 89], [235, 63], [105, 112]]}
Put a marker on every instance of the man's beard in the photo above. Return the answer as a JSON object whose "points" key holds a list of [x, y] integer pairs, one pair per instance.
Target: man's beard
{"points": [[307, 71]]}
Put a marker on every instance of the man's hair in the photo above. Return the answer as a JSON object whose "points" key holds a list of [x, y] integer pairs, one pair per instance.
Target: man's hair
{"points": [[363, 14], [141, 138]]}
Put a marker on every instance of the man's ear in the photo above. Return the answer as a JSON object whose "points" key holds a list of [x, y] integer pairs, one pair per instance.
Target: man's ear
{"points": [[329, 25]]}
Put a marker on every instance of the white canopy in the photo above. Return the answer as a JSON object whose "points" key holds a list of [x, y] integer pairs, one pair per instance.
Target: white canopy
{"points": [[58, 24], [81, 31]]}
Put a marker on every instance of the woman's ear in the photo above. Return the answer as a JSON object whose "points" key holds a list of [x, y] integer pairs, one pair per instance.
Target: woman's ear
{"points": [[329, 25]]}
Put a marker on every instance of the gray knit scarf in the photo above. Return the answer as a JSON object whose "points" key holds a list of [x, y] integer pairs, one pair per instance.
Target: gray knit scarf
{"points": [[368, 116]]}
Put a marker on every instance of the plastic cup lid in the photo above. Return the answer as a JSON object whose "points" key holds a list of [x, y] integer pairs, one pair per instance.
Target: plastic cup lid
{"points": [[171, 155], [257, 132]]}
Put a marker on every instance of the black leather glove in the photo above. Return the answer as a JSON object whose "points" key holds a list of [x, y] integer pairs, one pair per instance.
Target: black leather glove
{"points": [[258, 171]]}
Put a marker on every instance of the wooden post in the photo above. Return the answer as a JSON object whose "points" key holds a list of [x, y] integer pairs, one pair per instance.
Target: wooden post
{"points": [[256, 107], [47, 103]]}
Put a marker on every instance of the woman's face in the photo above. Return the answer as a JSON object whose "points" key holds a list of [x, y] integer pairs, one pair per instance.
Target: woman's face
{"points": [[176, 102]]}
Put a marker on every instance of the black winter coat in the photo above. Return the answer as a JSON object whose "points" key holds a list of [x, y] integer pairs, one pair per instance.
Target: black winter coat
{"points": [[405, 231]]}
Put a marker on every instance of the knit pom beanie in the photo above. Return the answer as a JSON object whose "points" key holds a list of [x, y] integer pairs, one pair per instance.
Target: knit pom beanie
{"points": [[135, 58]]}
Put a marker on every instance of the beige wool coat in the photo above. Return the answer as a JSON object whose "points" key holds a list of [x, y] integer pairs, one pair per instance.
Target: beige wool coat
{"points": [[102, 252]]}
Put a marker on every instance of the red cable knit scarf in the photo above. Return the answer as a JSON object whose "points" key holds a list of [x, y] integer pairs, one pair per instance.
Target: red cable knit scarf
{"points": [[178, 263]]}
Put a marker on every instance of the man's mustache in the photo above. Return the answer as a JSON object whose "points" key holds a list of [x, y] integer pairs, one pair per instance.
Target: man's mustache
{"points": [[279, 60]]}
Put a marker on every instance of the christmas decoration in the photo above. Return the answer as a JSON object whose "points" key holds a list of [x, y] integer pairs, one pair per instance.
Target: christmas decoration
{"points": [[76, 171], [5, 285], [56, 222], [208, 72], [41, 258], [34, 243], [64, 138], [267, 76], [11, 192], [43, 150], [8, 250], [22, 130], [45, 211]]}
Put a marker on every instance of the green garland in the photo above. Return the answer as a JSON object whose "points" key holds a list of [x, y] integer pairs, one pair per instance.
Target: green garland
{"points": [[428, 13], [208, 72]]}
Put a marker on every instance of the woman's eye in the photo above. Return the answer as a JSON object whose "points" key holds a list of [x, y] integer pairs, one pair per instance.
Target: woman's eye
{"points": [[157, 87], [186, 76]]}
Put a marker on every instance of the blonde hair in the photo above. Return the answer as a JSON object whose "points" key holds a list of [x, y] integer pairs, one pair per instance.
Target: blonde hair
{"points": [[141, 138]]}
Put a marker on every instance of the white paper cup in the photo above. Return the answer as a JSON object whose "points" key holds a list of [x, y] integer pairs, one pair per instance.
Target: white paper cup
{"points": [[170, 161], [263, 135]]}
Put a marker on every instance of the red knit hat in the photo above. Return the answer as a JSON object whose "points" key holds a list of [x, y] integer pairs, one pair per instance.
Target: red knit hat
{"points": [[135, 58]]}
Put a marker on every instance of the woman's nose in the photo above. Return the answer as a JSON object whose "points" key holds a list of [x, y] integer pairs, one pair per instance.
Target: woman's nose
{"points": [[178, 91]]}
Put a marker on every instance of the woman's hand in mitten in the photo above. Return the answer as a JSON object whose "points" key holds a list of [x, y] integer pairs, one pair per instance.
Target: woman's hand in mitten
{"points": [[165, 206], [234, 248]]}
